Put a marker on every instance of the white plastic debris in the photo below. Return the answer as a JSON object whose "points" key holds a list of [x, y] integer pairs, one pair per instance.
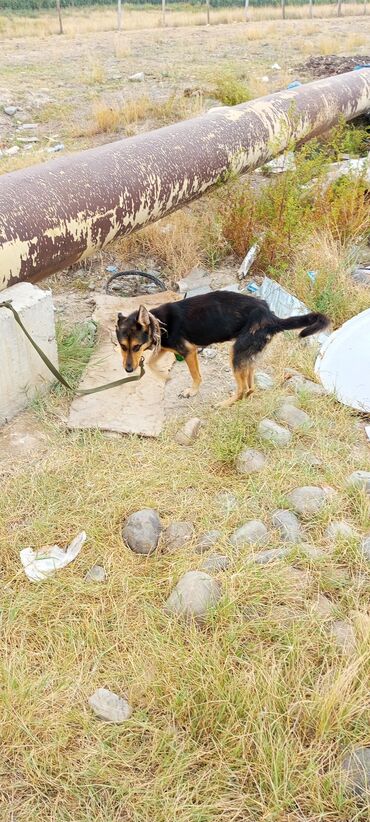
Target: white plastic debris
{"points": [[276, 67], [284, 305], [248, 261], [367, 431], [39, 565], [285, 162], [343, 363], [137, 78]]}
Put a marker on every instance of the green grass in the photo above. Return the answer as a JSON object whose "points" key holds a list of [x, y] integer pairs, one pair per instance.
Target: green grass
{"points": [[245, 719]]}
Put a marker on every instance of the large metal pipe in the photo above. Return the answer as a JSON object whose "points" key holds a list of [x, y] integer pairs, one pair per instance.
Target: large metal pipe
{"points": [[58, 213]]}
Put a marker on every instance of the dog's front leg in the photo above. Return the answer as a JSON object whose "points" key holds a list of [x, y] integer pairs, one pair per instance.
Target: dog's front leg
{"points": [[191, 360], [153, 363]]}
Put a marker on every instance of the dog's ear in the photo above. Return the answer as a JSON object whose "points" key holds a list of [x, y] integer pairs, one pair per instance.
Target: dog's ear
{"points": [[120, 319], [143, 318]]}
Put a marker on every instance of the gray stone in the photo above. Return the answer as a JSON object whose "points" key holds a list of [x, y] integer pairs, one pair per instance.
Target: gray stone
{"points": [[365, 547], [56, 148], [110, 707], [11, 151], [215, 563], [189, 432], [361, 276], [251, 533], [249, 461], [27, 126], [141, 531], [28, 139], [300, 383], [273, 555], [340, 530], [206, 541], [10, 110], [194, 595], [177, 535], [322, 607], [313, 553], [96, 574], [361, 479], [356, 771], [209, 353], [263, 381], [270, 431], [294, 417], [308, 500], [288, 525], [226, 502], [197, 278], [344, 636], [136, 78], [196, 292]]}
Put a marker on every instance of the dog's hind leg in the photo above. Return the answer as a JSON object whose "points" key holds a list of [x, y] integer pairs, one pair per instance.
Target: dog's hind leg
{"points": [[250, 386], [241, 377], [191, 359]]}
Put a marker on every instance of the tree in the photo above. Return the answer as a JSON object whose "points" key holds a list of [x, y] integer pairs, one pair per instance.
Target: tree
{"points": [[60, 16]]}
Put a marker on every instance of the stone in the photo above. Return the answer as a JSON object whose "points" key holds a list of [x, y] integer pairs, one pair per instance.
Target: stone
{"points": [[136, 78], [307, 500], [23, 375], [206, 541], [189, 432], [299, 383], [177, 535], [215, 563], [356, 771], [10, 110], [209, 353], [270, 431], [344, 636], [96, 574], [263, 381], [294, 417], [340, 530], [141, 531], [322, 607], [27, 126], [249, 461], [288, 525], [226, 502], [251, 533], [194, 595], [28, 139], [360, 479], [11, 151], [109, 707], [365, 547], [197, 278], [313, 553], [273, 555], [56, 148]]}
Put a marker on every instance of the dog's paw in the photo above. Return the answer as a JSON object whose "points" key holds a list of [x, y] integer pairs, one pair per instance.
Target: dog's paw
{"points": [[188, 392]]}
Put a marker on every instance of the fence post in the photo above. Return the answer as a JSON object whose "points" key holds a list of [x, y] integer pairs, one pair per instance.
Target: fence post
{"points": [[283, 8], [339, 8], [163, 13], [311, 8], [208, 13], [246, 9], [119, 15], [60, 17]]}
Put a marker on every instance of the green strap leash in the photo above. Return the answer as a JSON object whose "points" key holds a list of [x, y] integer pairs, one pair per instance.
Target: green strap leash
{"points": [[57, 374]]}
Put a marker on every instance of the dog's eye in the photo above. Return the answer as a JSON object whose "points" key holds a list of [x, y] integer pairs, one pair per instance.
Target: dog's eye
{"points": [[124, 347], [136, 347]]}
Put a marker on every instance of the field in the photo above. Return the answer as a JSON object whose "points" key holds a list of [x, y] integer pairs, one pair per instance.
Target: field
{"points": [[247, 718]]}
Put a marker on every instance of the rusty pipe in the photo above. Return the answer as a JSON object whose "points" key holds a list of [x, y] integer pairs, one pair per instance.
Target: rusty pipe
{"points": [[58, 213]]}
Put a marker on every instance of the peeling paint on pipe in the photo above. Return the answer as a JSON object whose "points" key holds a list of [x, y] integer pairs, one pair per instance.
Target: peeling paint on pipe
{"points": [[58, 213]]}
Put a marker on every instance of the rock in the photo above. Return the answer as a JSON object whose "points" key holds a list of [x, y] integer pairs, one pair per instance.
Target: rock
{"points": [[307, 500], [10, 110], [322, 607], [189, 432], [194, 595], [136, 78], [209, 353], [252, 533], [361, 276], [263, 381], [197, 278], [96, 574], [226, 502], [249, 461], [294, 417], [270, 431], [341, 530], [11, 151], [365, 547], [273, 555], [361, 479], [110, 707], [27, 126], [54, 149], [28, 140], [344, 636], [313, 553], [288, 525], [215, 563], [206, 541], [356, 771], [309, 459], [177, 535], [141, 531], [300, 383]]}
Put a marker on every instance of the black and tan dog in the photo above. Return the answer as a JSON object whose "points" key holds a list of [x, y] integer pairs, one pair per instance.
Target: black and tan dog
{"points": [[183, 327]]}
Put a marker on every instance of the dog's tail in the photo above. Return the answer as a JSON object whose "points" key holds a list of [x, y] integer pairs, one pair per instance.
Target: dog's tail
{"points": [[310, 323]]}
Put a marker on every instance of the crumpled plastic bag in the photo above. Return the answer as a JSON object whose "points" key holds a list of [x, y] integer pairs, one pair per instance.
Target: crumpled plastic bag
{"points": [[39, 565]]}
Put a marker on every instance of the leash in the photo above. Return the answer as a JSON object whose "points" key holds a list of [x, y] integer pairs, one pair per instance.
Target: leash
{"points": [[57, 374]]}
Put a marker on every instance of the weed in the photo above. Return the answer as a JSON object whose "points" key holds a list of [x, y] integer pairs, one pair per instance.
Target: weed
{"points": [[75, 347], [230, 89]]}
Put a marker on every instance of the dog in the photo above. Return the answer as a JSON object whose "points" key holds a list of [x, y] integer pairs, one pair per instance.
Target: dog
{"points": [[220, 316]]}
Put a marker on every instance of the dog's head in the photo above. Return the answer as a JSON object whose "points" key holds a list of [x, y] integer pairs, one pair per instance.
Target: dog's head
{"points": [[135, 334]]}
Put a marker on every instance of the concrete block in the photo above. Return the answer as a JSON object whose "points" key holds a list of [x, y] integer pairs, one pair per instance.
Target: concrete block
{"points": [[22, 372]]}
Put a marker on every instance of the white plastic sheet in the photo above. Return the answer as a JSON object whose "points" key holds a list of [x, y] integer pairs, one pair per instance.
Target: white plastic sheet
{"points": [[343, 363], [39, 565]]}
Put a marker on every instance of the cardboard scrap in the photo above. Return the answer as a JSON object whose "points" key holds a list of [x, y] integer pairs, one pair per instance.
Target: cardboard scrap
{"points": [[135, 408]]}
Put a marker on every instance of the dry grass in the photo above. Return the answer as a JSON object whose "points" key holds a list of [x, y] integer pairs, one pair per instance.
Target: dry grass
{"points": [[247, 719]]}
